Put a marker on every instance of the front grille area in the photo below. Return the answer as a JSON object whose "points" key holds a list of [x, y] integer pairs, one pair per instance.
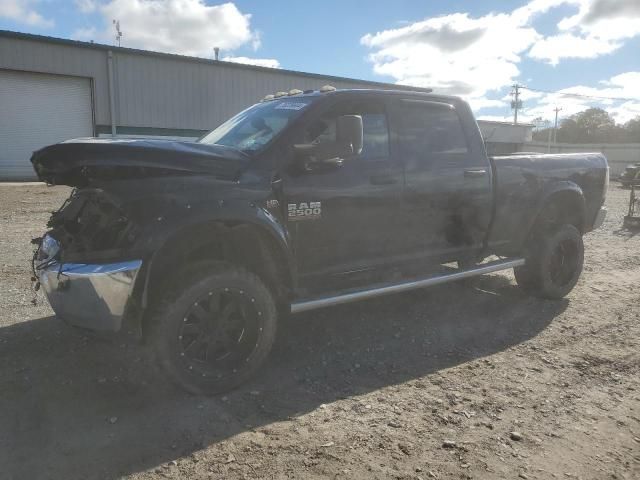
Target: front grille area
{"points": [[90, 221]]}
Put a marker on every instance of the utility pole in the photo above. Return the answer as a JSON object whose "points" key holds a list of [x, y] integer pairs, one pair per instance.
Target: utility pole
{"points": [[516, 103], [555, 126]]}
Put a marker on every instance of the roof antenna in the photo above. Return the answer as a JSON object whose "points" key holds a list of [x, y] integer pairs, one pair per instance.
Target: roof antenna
{"points": [[216, 53], [116, 23]]}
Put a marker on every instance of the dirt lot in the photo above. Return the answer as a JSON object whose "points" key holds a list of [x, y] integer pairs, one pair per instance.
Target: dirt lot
{"points": [[368, 390]]}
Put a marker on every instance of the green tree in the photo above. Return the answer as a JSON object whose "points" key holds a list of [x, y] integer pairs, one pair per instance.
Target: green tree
{"points": [[594, 125], [570, 132], [632, 129]]}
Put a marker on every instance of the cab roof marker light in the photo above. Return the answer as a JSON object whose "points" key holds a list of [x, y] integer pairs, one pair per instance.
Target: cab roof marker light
{"points": [[280, 94], [327, 88], [294, 91], [267, 98]]}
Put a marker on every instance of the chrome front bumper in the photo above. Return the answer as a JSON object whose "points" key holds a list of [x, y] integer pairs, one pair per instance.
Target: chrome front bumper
{"points": [[90, 296], [602, 214]]}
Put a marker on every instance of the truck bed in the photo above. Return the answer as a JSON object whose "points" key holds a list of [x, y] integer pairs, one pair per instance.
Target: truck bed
{"points": [[523, 182]]}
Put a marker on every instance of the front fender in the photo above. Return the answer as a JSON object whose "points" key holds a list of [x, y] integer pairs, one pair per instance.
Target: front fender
{"points": [[227, 213]]}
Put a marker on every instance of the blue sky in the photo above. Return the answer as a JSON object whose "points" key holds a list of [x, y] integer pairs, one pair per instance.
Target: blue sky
{"points": [[469, 48]]}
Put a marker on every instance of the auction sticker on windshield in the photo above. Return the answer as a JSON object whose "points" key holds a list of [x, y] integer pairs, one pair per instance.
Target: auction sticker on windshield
{"points": [[290, 106]]}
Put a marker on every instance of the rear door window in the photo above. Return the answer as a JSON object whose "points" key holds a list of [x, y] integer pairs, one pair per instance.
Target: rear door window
{"points": [[430, 130]]}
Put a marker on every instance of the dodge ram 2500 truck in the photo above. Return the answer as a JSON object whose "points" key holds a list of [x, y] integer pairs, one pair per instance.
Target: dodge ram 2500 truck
{"points": [[302, 201]]}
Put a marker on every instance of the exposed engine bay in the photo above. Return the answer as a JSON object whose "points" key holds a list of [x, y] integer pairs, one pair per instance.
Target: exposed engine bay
{"points": [[91, 222]]}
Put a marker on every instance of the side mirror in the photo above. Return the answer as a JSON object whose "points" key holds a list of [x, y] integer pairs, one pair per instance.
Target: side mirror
{"points": [[349, 132]]}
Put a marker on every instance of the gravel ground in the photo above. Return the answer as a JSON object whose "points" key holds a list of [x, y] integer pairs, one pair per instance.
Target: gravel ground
{"points": [[461, 381]]}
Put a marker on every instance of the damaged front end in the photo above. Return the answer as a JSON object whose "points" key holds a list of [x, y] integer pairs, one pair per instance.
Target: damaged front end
{"points": [[101, 239], [89, 225]]}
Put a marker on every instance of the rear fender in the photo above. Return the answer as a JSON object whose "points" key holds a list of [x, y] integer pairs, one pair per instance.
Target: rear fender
{"points": [[565, 193]]}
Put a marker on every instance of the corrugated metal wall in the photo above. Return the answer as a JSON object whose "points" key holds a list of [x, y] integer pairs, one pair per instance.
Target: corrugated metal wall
{"points": [[43, 57], [173, 93]]}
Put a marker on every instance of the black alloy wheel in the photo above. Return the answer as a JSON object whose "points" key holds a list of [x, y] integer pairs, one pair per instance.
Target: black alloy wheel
{"points": [[554, 260], [216, 332], [563, 262], [219, 333]]}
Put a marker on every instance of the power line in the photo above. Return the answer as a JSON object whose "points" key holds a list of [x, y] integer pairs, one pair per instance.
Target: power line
{"points": [[595, 97]]}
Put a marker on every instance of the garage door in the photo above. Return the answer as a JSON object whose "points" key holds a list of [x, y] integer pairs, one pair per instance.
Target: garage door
{"points": [[37, 110]]}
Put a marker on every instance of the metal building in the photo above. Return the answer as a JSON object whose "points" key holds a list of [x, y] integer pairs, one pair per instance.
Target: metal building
{"points": [[53, 89], [502, 138]]}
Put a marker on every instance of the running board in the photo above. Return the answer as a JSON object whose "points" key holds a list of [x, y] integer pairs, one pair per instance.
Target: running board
{"points": [[496, 266]]}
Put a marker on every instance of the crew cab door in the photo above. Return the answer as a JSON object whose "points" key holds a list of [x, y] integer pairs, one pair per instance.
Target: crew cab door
{"points": [[342, 217], [448, 198]]}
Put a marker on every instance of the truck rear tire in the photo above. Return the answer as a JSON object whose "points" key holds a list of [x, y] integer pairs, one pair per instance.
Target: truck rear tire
{"points": [[554, 261], [216, 332]]}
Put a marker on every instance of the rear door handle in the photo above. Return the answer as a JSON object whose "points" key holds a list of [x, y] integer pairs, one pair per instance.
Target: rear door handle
{"points": [[383, 179], [475, 173]]}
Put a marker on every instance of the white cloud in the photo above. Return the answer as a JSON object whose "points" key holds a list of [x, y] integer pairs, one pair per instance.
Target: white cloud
{"points": [[85, 34], [568, 45], [23, 11], [524, 95], [476, 56], [457, 53], [625, 86], [86, 6], [496, 118], [598, 28], [479, 103], [261, 62], [535, 8], [187, 27], [625, 112], [593, 12]]}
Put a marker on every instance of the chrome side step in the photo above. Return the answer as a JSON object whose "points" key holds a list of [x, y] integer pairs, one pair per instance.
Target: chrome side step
{"points": [[496, 266]]}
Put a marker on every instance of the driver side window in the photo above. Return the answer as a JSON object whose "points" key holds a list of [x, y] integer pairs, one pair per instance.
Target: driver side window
{"points": [[322, 130], [374, 122]]}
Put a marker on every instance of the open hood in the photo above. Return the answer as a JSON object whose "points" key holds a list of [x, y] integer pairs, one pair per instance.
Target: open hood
{"points": [[76, 162]]}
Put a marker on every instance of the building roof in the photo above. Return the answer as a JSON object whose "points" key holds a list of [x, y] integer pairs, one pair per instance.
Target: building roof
{"points": [[507, 124], [135, 51]]}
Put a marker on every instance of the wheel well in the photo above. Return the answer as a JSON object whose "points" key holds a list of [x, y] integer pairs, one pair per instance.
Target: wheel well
{"points": [[240, 244], [564, 207]]}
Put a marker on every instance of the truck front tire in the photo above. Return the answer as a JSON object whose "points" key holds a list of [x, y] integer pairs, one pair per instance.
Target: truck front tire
{"points": [[554, 260], [216, 331]]}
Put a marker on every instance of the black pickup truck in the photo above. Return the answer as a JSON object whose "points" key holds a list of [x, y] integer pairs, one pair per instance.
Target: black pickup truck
{"points": [[302, 201]]}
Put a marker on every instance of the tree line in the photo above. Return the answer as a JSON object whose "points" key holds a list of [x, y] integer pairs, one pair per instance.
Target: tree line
{"points": [[594, 125]]}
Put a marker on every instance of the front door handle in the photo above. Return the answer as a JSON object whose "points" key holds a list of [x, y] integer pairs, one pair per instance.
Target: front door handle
{"points": [[383, 179], [475, 173]]}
